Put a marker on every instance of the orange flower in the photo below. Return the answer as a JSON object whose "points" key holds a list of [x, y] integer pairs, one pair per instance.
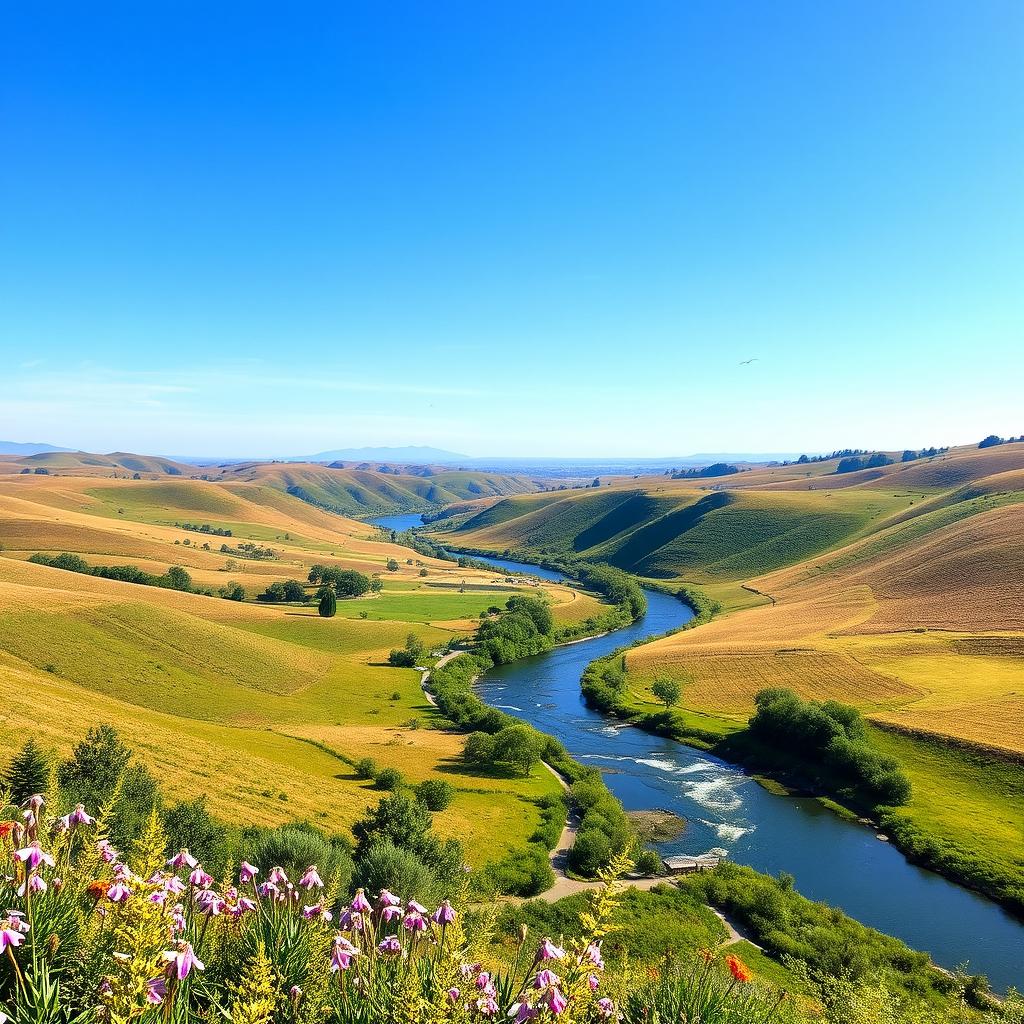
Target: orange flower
{"points": [[6, 828], [738, 969], [98, 889]]}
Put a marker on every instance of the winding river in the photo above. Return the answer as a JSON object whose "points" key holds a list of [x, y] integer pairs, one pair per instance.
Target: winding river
{"points": [[833, 860]]}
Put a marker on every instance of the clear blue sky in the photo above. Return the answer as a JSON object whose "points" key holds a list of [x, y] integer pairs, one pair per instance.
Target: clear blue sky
{"points": [[542, 228]]}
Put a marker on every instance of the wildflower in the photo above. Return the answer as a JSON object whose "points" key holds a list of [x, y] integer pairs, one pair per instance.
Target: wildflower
{"points": [[312, 880], [414, 922], [182, 859], [593, 955], [180, 961], [33, 884], [244, 905], [388, 899], [118, 892], [174, 885], [277, 876], [390, 913], [468, 970], [546, 979], [36, 802], [268, 890], [178, 922], [484, 983], [316, 910], [556, 1001], [79, 816], [360, 904], [351, 921], [295, 994], [605, 1007], [417, 908], [158, 897], [593, 982], [523, 1012], [738, 969], [33, 855], [200, 878], [390, 945], [7, 827], [549, 951], [16, 920], [209, 903], [247, 872], [342, 954], [486, 1006], [444, 914], [10, 938], [453, 994], [156, 990], [107, 853]]}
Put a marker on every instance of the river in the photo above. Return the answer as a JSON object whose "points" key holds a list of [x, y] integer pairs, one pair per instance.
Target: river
{"points": [[833, 860]]}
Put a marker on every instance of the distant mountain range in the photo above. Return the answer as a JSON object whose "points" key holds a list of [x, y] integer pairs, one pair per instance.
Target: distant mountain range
{"points": [[410, 454], [29, 448]]}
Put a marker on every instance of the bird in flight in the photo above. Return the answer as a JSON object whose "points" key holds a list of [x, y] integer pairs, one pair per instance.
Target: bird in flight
{"points": [[747, 362]]}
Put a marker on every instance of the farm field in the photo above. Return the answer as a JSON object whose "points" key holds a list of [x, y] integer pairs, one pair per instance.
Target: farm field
{"points": [[264, 707]]}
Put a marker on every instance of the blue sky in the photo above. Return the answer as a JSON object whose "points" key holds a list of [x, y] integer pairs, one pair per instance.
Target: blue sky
{"points": [[511, 228]]}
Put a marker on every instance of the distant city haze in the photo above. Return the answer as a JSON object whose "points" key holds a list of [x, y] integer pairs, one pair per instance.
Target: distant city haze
{"points": [[532, 230]]}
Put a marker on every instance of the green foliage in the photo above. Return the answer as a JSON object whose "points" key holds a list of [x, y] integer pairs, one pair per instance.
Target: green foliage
{"points": [[667, 690], [343, 582], [366, 768], [522, 630], [328, 605], [389, 779], [189, 824], [387, 866], [28, 773], [294, 847], [435, 793], [289, 592], [176, 578], [399, 818], [830, 735], [826, 940]]}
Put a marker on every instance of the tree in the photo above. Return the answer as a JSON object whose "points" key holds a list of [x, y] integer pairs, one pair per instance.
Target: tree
{"points": [[28, 773], [178, 579], [991, 441], [233, 591], [328, 606], [294, 591], [668, 691], [392, 565], [399, 818], [519, 746], [478, 749]]}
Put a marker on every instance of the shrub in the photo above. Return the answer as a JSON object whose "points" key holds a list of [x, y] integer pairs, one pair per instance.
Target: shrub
{"points": [[648, 862], [435, 793], [295, 847], [328, 606], [591, 851], [390, 779], [366, 768], [386, 866]]}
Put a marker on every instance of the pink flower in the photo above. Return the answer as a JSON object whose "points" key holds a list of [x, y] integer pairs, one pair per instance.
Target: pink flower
{"points": [[486, 1006], [156, 990], [107, 853], [210, 903], [605, 1007], [593, 954], [388, 899], [523, 1012], [200, 879], [342, 954], [34, 884], [556, 1001], [390, 946], [414, 922], [248, 872], [182, 859], [444, 914], [180, 961], [453, 995], [312, 880], [16, 920], [32, 856], [316, 910], [79, 817], [118, 892], [546, 979], [277, 876], [10, 938], [484, 983], [360, 904], [549, 951], [389, 913], [268, 889], [174, 885], [245, 905], [593, 982], [468, 970], [417, 908]]}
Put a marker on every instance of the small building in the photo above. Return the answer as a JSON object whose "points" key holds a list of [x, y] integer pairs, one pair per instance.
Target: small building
{"points": [[691, 865]]}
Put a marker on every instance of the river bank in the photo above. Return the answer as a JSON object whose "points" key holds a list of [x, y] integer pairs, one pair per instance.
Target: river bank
{"points": [[831, 859]]}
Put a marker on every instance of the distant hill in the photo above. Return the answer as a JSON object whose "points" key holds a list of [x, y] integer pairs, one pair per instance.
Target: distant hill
{"points": [[62, 459], [28, 448], [417, 454]]}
